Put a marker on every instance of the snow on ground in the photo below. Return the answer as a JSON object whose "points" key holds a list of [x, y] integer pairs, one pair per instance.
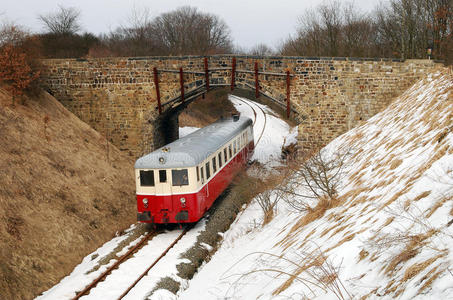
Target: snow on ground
{"points": [[276, 131], [388, 233]]}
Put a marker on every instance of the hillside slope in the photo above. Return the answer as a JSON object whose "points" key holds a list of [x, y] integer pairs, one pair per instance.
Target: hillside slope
{"points": [[388, 232], [63, 192]]}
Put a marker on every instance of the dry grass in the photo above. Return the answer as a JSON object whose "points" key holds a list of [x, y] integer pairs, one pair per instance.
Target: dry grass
{"points": [[342, 241], [438, 204], [72, 197], [312, 214], [326, 231], [431, 279], [313, 270], [205, 111], [417, 268], [363, 254], [413, 247], [395, 164], [341, 228], [389, 220]]}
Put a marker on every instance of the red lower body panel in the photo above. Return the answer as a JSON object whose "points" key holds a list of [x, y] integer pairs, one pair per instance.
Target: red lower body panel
{"points": [[170, 208]]}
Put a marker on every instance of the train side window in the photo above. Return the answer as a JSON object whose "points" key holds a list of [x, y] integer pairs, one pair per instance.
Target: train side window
{"points": [[225, 156], [229, 150], [179, 177], [202, 174], [220, 159], [162, 175], [198, 173], [208, 171], [234, 147], [214, 165], [146, 178]]}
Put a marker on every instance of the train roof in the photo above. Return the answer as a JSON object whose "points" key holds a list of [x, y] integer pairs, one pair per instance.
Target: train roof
{"points": [[194, 148]]}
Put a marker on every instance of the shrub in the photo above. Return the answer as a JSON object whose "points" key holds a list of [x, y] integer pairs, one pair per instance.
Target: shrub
{"points": [[16, 61]]}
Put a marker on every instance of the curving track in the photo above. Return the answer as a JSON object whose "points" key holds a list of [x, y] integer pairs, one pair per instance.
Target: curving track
{"points": [[258, 113]]}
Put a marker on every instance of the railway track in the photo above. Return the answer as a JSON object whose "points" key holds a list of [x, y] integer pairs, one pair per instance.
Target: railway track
{"points": [[123, 258], [256, 111], [255, 118], [154, 263], [101, 277]]}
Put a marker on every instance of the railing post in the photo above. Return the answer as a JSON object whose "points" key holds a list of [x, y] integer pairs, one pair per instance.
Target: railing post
{"points": [[156, 84], [233, 73], [257, 86], [181, 82], [206, 72], [288, 108]]}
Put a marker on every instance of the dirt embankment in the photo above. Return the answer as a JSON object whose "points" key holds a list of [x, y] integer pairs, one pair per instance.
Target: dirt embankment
{"points": [[63, 192], [203, 112]]}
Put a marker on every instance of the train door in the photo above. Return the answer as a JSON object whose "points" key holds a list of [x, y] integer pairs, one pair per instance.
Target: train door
{"points": [[163, 189]]}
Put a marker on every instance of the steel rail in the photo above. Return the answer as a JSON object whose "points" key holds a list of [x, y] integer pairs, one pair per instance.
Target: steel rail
{"points": [[154, 263], [255, 115], [116, 264]]}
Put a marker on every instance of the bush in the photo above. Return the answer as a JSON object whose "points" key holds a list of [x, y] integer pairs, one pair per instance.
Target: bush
{"points": [[18, 66]]}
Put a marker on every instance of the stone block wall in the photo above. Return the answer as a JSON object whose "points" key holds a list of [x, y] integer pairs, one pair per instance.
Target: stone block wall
{"points": [[117, 96]]}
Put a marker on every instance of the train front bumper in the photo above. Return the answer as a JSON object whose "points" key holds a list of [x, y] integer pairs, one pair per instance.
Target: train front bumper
{"points": [[144, 216]]}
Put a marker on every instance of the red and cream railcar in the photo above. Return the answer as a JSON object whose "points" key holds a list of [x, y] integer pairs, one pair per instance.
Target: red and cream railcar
{"points": [[179, 182]]}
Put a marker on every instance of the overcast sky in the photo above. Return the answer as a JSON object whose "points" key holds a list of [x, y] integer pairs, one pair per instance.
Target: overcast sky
{"points": [[251, 21]]}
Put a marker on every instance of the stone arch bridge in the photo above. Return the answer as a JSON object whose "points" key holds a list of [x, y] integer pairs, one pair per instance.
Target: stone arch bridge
{"points": [[135, 101]]}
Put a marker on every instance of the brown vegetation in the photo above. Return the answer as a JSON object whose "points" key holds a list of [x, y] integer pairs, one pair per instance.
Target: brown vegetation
{"points": [[18, 61], [400, 28], [60, 197], [203, 112]]}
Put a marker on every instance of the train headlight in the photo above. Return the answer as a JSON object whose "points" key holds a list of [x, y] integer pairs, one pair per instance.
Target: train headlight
{"points": [[145, 202], [183, 201]]}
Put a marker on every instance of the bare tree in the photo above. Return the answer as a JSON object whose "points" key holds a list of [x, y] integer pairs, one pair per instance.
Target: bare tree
{"points": [[357, 33], [399, 28], [261, 50], [316, 179], [64, 21], [11, 33], [188, 31], [331, 19]]}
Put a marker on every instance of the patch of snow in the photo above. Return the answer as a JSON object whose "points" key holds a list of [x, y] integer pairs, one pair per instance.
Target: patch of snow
{"points": [[183, 131]]}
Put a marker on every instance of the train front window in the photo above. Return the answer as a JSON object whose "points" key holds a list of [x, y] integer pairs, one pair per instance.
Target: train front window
{"points": [[179, 177], [162, 176], [146, 178]]}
